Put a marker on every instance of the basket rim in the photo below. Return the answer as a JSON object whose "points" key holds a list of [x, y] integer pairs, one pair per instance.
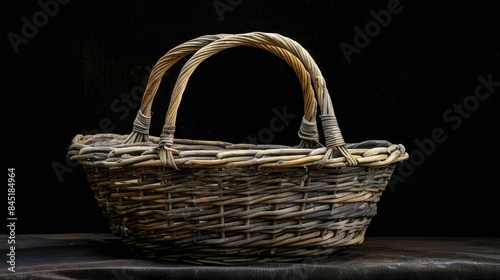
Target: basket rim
{"points": [[109, 150]]}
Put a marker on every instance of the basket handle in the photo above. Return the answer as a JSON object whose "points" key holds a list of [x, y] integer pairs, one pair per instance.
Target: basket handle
{"points": [[333, 136], [308, 132]]}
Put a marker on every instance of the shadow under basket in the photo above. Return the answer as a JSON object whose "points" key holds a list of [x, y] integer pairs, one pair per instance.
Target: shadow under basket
{"points": [[214, 202]]}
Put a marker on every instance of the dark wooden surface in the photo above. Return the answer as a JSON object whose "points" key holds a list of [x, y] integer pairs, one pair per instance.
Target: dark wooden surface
{"points": [[102, 256]]}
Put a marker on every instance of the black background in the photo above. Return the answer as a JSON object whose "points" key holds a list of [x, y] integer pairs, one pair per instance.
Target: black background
{"points": [[89, 54]]}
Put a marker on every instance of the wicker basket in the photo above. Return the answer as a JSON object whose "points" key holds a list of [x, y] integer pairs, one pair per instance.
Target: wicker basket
{"points": [[204, 201]]}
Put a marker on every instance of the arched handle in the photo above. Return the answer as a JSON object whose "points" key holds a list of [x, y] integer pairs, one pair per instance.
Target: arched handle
{"points": [[308, 132], [333, 136]]}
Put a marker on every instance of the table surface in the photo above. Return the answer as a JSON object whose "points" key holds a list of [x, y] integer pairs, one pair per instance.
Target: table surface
{"points": [[103, 256]]}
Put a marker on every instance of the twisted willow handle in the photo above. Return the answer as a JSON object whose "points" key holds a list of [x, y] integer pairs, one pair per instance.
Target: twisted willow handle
{"points": [[333, 136], [308, 131]]}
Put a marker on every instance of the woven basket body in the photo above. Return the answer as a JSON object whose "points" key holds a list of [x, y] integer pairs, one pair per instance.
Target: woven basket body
{"points": [[205, 201]]}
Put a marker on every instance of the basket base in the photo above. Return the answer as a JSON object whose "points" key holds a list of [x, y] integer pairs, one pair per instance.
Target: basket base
{"points": [[224, 255], [201, 255]]}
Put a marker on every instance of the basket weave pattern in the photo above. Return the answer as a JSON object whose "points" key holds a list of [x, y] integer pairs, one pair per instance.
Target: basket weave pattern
{"points": [[204, 201]]}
